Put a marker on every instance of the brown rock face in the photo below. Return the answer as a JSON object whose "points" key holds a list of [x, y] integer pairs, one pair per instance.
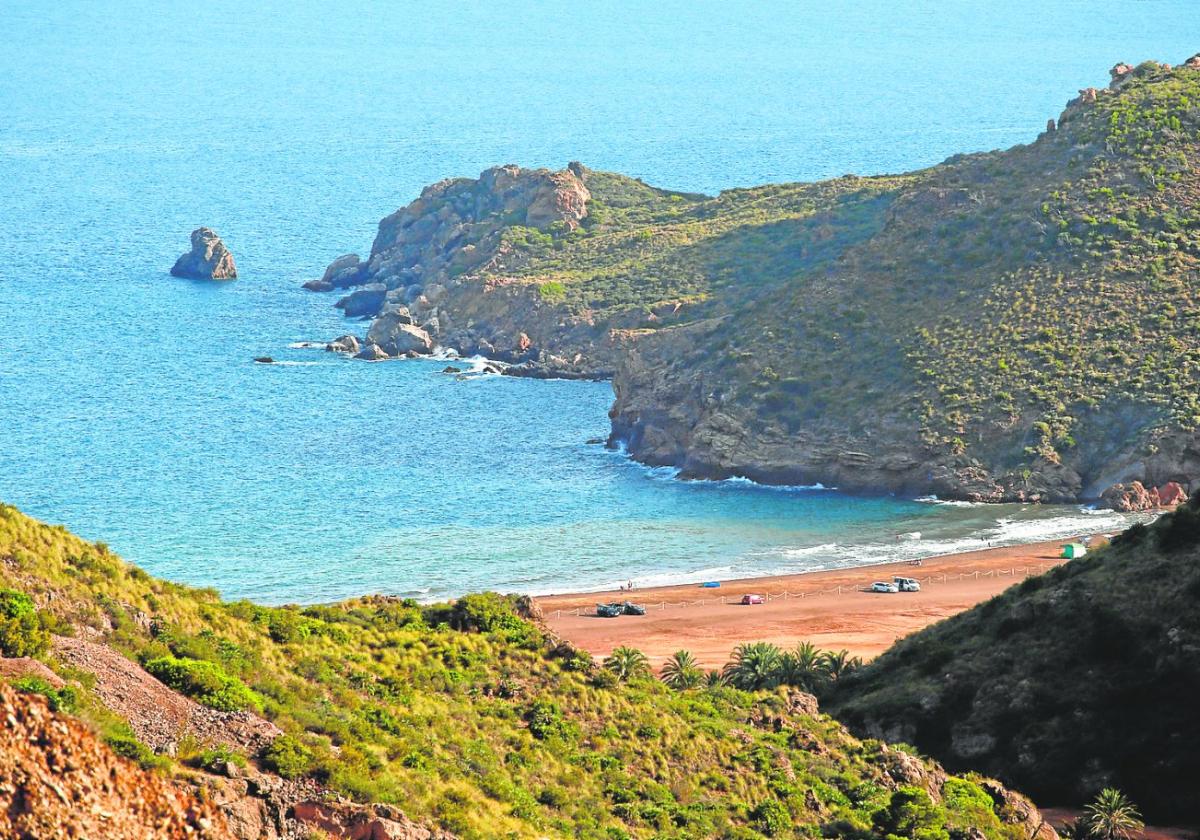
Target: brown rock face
{"points": [[209, 259], [1129, 497], [58, 781], [1171, 494]]}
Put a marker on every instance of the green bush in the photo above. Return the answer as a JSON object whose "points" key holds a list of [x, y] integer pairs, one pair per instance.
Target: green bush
{"points": [[123, 742], [22, 629], [288, 757], [64, 699], [204, 682]]}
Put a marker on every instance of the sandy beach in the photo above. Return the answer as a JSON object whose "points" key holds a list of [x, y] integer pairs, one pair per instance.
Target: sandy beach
{"points": [[831, 609]]}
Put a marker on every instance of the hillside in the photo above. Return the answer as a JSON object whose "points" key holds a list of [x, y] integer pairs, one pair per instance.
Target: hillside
{"points": [[1083, 677], [464, 718], [1013, 325]]}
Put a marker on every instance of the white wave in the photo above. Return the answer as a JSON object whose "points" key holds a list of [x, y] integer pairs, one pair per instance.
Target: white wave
{"points": [[307, 345], [807, 551], [444, 354], [934, 500]]}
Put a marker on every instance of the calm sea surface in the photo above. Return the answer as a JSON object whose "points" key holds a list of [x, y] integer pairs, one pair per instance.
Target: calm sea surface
{"points": [[129, 405]]}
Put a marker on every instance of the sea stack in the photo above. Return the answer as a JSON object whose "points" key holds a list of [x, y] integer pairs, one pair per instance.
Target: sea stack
{"points": [[209, 259]]}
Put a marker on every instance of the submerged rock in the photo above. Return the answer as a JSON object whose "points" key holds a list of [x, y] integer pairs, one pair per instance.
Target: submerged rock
{"points": [[264, 360], [209, 259]]}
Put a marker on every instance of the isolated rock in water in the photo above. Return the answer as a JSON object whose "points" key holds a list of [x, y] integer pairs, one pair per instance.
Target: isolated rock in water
{"points": [[1127, 498], [209, 259], [264, 360], [344, 344], [318, 286], [364, 301], [397, 335], [372, 353], [451, 369]]}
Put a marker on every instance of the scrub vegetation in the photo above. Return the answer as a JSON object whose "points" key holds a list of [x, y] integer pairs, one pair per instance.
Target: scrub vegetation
{"points": [[469, 716]]}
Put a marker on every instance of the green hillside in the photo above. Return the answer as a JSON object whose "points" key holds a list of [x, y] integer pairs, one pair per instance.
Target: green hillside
{"points": [[1020, 324], [1084, 677], [469, 717]]}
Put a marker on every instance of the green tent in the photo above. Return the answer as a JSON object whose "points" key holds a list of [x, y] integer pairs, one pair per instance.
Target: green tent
{"points": [[1072, 551]]}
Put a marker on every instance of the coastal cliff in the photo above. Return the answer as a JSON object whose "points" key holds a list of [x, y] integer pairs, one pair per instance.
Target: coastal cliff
{"points": [[1019, 325]]}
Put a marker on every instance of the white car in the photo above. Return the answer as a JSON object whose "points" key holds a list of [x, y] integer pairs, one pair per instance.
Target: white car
{"points": [[884, 586], [907, 584]]}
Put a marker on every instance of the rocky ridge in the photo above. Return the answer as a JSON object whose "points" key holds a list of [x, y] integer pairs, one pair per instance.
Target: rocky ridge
{"points": [[1005, 326], [208, 258]]}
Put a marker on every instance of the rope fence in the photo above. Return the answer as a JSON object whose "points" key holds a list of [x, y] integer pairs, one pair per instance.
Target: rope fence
{"points": [[1016, 571]]}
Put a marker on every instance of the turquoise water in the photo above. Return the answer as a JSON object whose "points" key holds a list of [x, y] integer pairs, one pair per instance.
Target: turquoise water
{"points": [[130, 406]]}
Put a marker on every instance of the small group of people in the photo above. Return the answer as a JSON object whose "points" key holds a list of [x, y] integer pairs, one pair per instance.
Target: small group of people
{"points": [[627, 587]]}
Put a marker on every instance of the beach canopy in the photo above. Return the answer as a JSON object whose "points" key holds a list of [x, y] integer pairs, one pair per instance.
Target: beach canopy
{"points": [[1073, 550]]}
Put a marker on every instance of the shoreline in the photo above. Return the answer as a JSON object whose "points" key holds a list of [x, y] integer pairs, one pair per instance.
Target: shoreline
{"points": [[828, 607]]}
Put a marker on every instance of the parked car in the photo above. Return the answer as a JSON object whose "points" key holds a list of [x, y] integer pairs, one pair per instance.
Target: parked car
{"points": [[631, 608], [753, 599], [907, 584], [884, 586], [609, 610]]}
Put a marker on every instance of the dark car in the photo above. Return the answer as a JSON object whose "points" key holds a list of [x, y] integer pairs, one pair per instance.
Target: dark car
{"points": [[609, 610], [633, 609]]}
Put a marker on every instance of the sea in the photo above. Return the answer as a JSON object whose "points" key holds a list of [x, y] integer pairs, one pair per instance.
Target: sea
{"points": [[131, 408]]}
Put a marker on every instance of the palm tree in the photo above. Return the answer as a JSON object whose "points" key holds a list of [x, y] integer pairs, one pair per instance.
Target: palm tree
{"points": [[839, 664], [754, 666], [681, 671], [804, 667], [715, 679], [627, 663], [1112, 816]]}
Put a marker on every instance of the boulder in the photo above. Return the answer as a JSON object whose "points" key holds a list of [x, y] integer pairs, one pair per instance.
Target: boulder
{"points": [[208, 259], [1127, 498], [344, 344], [1193, 62], [318, 286], [372, 353], [364, 301], [341, 271], [395, 333], [1171, 494], [264, 360]]}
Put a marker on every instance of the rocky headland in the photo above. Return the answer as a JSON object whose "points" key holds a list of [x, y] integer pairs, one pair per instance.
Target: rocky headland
{"points": [[208, 258], [1006, 326]]}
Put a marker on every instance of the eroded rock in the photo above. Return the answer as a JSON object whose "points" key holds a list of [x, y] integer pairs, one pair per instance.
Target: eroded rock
{"points": [[208, 259]]}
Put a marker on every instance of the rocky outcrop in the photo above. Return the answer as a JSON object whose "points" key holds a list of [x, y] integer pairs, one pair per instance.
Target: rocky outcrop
{"points": [[1135, 496], [427, 258], [208, 259], [58, 781]]}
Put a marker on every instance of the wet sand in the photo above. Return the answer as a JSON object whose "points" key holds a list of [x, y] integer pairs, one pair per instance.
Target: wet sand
{"points": [[831, 609]]}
